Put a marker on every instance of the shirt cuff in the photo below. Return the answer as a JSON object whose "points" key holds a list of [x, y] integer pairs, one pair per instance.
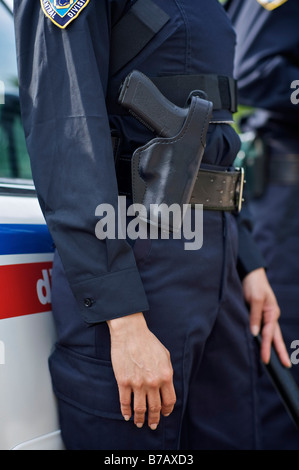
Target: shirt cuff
{"points": [[111, 296]]}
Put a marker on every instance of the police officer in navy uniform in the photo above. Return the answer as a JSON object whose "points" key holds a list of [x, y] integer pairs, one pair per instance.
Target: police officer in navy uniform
{"points": [[154, 348], [267, 64]]}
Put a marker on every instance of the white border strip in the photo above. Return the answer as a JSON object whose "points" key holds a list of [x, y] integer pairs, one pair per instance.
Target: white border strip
{"points": [[6, 260]]}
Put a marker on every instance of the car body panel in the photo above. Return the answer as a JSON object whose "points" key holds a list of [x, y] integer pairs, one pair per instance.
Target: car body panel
{"points": [[28, 409]]}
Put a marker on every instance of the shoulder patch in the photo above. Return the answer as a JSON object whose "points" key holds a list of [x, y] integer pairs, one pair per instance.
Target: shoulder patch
{"points": [[63, 12], [271, 4]]}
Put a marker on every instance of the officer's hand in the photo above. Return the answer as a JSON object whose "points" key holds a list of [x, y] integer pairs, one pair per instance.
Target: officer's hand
{"points": [[264, 312], [142, 367]]}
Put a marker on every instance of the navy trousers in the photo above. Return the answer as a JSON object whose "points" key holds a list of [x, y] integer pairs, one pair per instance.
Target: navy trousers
{"points": [[197, 311], [277, 233]]}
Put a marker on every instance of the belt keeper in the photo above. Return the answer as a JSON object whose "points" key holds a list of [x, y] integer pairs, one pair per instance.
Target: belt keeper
{"points": [[240, 189]]}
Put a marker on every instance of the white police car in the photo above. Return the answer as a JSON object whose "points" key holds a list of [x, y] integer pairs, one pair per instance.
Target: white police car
{"points": [[28, 413]]}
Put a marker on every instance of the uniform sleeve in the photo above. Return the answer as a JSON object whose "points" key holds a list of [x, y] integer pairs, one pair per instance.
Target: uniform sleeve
{"points": [[267, 54], [63, 77], [249, 255]]}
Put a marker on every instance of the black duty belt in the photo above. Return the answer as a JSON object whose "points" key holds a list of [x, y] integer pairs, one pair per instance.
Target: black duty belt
{"points": [[214, 189], [219, 89], [284, 169]]}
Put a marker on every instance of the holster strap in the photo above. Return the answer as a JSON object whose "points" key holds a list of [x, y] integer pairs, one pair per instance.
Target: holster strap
{"points": [[134, 30]]}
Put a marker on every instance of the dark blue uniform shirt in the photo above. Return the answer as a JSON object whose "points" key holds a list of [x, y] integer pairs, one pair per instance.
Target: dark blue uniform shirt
{"points": [[64, 76]]}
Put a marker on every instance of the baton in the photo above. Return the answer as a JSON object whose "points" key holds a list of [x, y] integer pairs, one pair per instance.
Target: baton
{"points": [[284, 383]]}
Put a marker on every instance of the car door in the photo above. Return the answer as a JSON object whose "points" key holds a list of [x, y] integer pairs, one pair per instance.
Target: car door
{"points": [[28, 412]]}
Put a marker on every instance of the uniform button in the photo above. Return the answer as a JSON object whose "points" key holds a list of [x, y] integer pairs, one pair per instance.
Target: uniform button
{"points": [[88, 302]]}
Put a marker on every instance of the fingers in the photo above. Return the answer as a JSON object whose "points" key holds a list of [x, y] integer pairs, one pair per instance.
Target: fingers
{"points": [[267, 338], [264, 313], [139, 407], [168, 399], [125, 401], [269, 327], [272, 334], [153, 400], [143, 371], [154, 408], [125, 394]]}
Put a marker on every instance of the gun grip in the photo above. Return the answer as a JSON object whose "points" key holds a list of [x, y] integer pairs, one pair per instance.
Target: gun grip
{"points": [[143, 99]]}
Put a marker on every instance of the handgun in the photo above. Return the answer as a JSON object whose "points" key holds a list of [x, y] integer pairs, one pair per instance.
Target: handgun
{"points": [[144, 100], [165, 168]]}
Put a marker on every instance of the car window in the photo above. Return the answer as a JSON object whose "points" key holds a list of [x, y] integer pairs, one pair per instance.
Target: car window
{"points": [[14, 160]]}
